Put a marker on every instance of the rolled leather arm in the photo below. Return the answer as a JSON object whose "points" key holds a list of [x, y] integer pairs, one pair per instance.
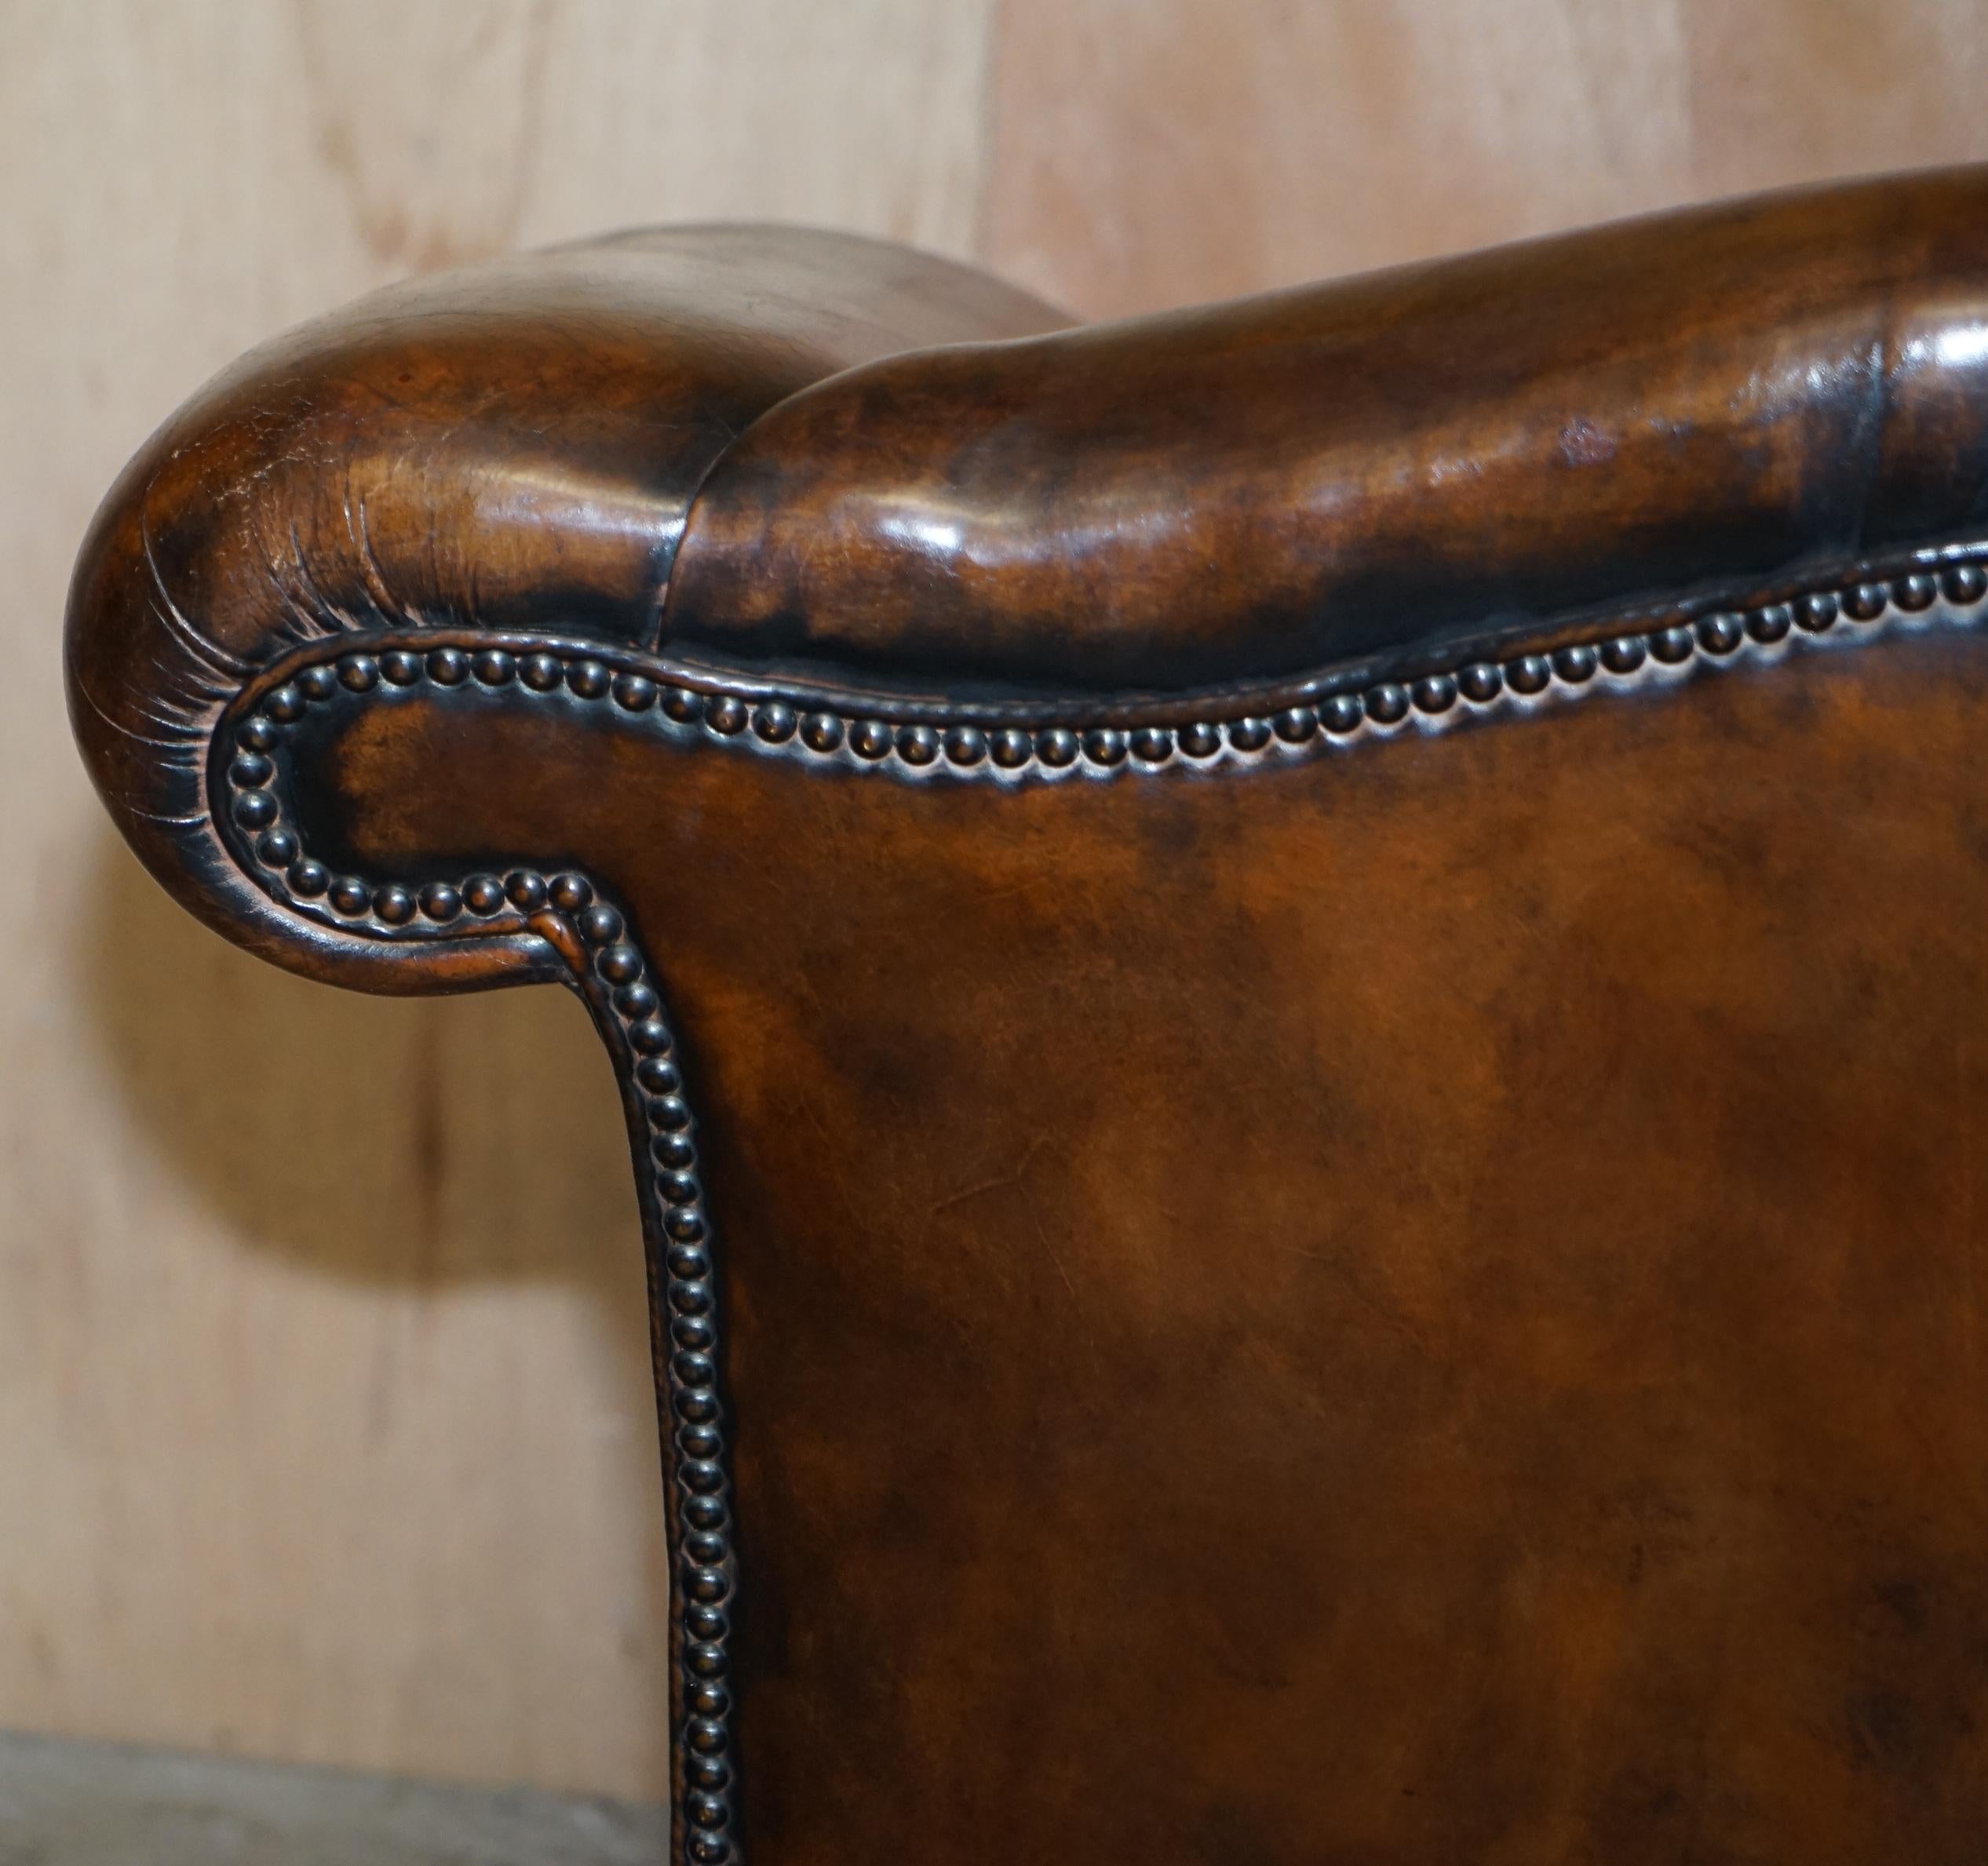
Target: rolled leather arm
{"points": [[821, 457], [508, 449], [1684, 411], [1324, 951]]}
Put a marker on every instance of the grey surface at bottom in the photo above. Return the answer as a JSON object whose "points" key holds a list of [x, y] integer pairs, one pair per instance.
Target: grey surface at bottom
{"points": [[88, 1804]]}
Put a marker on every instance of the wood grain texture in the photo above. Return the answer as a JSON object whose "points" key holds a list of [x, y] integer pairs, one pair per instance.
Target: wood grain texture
{"points": [[1148, 153], [342, 1450]]}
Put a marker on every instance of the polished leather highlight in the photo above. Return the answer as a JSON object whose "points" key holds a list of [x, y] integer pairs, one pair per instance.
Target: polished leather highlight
{"points": [[1688, 406], [1326, 1266], [513, 444]]}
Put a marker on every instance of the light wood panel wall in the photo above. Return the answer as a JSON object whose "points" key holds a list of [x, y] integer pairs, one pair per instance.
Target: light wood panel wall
{"points": [[324, 1431], [325, 1425], [1153, 152]]}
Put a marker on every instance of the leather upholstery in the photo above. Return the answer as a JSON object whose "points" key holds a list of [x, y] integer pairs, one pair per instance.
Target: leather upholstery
{"points": [[492, 446], [1692, 404], [1294, 987]]}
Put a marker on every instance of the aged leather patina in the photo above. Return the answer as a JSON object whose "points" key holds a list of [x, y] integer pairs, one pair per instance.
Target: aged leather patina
{"points": [[1298, 990]]}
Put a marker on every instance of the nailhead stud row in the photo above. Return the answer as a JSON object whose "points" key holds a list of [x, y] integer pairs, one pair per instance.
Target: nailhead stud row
{"points": [[706, 1574], [921, 745]]}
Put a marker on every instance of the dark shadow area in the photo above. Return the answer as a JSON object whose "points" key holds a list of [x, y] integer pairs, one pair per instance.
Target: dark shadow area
{"points": [[418, 1142]]}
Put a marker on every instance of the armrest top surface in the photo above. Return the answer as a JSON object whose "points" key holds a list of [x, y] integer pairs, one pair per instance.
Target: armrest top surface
{"points": [[1694, 401], [808, 451], [509, 445]]}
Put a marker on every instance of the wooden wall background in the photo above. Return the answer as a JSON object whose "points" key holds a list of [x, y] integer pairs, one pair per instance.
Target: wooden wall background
{"points": [[324, 1431]]}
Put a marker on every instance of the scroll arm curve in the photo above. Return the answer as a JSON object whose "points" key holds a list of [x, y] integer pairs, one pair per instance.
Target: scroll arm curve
{"points": [[233, 855], [153, 684]]}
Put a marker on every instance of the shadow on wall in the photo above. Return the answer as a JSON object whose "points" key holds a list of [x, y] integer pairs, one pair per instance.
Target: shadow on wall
{"points": [[407, 1143], [390, 1140]]}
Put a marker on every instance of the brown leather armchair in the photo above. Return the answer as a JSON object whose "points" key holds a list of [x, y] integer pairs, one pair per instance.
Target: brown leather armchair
{"points": [[1298, 987]]}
